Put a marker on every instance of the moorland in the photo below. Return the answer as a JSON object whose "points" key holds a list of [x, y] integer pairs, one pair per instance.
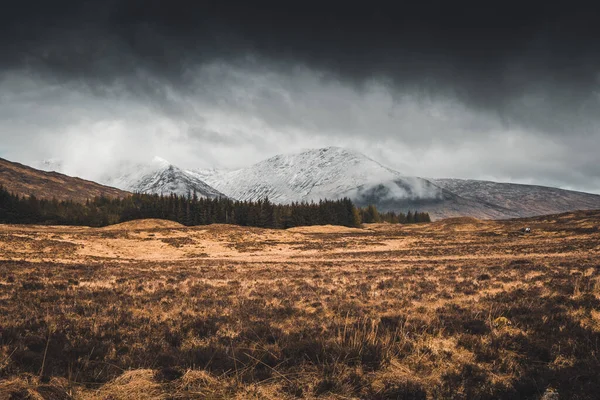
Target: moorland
{"points": [[456, 309]]}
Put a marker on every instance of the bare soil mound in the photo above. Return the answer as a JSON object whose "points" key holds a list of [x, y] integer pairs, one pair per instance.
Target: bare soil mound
{"points": [[461, 224], [323, 229], [145, 224]]}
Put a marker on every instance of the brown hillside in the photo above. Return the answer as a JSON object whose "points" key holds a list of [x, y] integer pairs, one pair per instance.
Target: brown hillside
{"points": [[23, 180]]}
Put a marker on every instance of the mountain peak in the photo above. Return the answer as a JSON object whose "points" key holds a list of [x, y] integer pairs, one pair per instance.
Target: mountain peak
{"points": [[160, 162], [323, 157], [162, 177], [309, 175], [333, 151]]}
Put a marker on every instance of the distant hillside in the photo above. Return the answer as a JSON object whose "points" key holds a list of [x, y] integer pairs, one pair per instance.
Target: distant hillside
{"points": [[23, 180], [521, 200]]}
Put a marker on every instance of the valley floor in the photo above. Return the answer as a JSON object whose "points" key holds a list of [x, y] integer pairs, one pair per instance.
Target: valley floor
{"points": [[456, 309]]}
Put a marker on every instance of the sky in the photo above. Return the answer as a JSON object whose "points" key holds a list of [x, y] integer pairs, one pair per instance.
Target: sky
{"points": [[503, 91]]}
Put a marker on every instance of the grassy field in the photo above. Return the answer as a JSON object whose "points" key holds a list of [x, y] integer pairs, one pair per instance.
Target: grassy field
{"points": [[457, 309]]}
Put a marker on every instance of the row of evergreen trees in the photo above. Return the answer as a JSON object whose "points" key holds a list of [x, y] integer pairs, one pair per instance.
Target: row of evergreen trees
{"points": [[187, 210], [371, 215]]}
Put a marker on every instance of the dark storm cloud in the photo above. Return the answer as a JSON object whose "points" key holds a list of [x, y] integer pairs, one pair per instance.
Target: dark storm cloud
{"points": [[502, 90], [487, 54]]}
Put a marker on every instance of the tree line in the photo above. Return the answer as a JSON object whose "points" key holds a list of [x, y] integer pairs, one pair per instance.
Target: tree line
{"points": [[189, 210], [371, 215]]}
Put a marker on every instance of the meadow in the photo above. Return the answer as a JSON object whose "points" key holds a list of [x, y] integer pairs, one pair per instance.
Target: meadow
{"points": [[455, 309]]}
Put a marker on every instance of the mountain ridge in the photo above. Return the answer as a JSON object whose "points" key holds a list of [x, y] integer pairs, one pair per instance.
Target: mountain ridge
{"points": [[336, 172], [24, 180], [526, 200], [312, 175], [161, 177]]}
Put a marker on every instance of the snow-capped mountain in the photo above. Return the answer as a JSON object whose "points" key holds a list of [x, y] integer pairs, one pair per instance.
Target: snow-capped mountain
{"points": [[334, 172], [311, 175], [160, 177]]}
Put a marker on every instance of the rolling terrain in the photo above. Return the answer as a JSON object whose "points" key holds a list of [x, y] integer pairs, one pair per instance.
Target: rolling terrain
{"points": [[459, 308], [24, 181]]}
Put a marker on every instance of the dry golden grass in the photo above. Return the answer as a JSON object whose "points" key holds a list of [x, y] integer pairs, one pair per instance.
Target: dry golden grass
{"points": [[456, 309], [144, 224]]}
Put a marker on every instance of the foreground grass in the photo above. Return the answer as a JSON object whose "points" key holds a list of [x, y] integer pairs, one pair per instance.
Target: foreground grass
{"points": [[377, 327]]}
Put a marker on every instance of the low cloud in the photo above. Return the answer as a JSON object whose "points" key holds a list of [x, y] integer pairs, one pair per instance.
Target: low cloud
{"points": [[231, 116]]}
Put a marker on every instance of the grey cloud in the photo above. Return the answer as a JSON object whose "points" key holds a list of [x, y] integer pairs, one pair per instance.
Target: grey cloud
{"points": [[231, 116], [487, 55], [502, 90]]}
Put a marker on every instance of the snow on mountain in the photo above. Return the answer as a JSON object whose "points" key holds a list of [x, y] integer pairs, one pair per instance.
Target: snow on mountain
{"points": [[160, 177], [521, 200], [334, 172], [327, 173]]}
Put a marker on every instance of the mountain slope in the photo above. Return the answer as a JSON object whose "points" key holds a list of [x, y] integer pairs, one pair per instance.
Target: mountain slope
{"points": [[522, 200], [161, 177], [334, 172], [447, 205], [23, 180], [312, 175]]}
